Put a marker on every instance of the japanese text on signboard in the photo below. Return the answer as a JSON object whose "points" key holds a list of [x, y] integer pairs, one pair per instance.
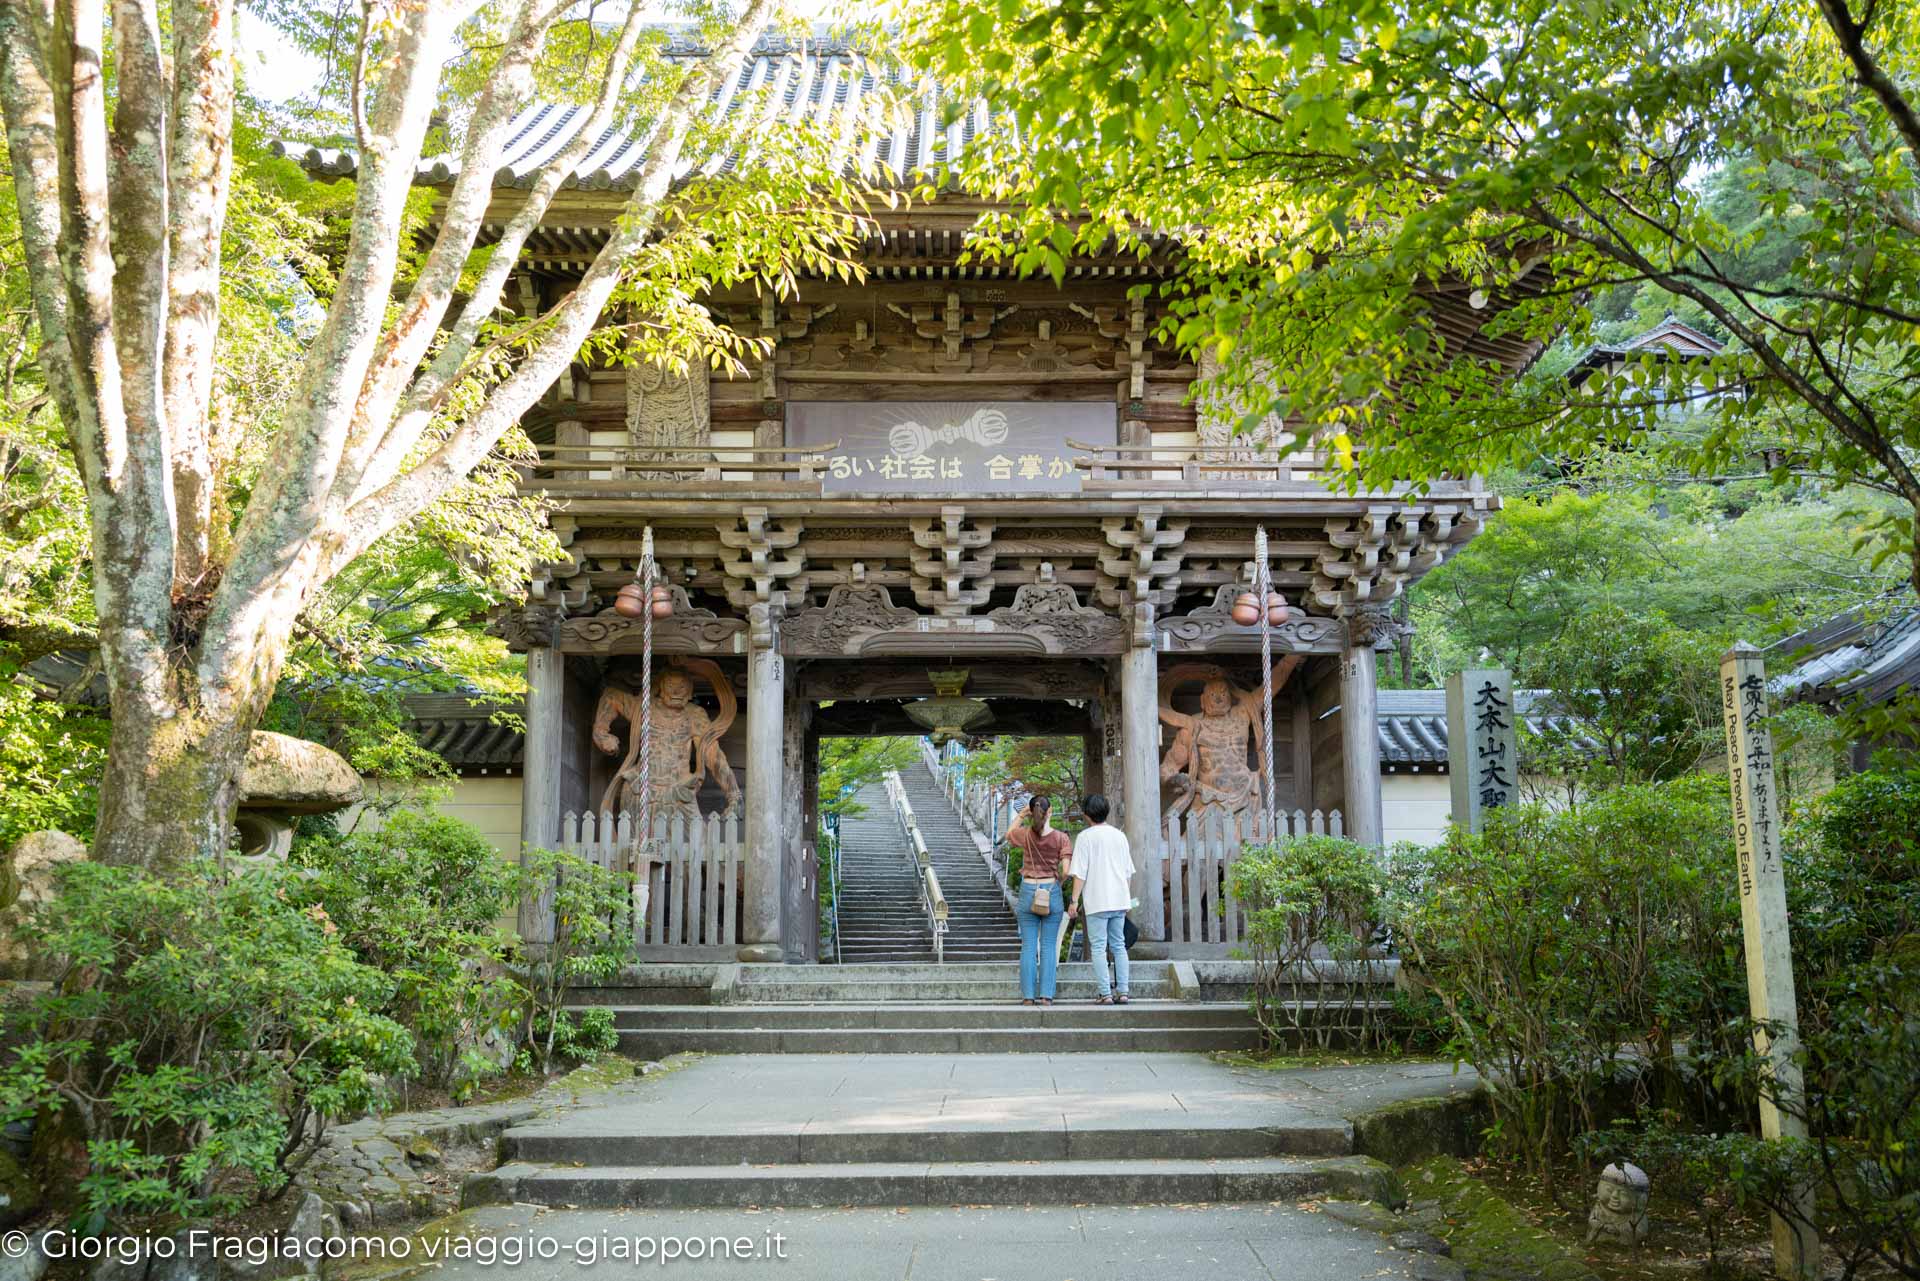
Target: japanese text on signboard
{"points": [[950, 447], [1744, 699]]}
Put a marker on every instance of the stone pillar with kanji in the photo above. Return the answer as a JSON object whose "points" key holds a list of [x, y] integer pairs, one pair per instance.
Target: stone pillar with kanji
{"points": [[1483, 748]]}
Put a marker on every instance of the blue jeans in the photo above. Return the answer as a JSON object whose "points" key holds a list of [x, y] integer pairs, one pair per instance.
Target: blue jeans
{"points": [[1107, 938], [1039, 939]]}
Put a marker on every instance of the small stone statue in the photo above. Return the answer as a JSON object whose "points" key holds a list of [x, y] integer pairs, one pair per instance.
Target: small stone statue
{"points": [[1619, 1207]]}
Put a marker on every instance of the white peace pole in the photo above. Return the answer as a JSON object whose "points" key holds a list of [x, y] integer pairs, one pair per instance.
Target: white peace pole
{"points": [[1763, 925]]}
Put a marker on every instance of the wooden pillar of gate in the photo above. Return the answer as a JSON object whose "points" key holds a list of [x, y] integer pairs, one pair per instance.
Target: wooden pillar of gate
{"points": [[1140, 773], [765, 799], [1360, 726]]}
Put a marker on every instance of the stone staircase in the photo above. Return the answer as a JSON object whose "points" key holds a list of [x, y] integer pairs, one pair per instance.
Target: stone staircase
{"points": [[932, 1130], [927, 1009], [980, 924], [881, 919]]}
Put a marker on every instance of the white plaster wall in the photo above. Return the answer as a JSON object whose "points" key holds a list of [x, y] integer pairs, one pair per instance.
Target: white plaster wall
{"points": [[1414, 807], [490, 802]]}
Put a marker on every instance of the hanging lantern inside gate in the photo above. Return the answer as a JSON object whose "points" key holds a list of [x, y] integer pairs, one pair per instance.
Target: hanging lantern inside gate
{"points": [[948, 714], [631, 601], [1246, 609], [1276, 609]]}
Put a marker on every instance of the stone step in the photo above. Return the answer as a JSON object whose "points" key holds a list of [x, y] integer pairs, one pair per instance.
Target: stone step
{"points": [[866, 953], [1002, 1014], [842, 1144], [978, 992], [918, 1183], [754, 978], [658, 1042]]}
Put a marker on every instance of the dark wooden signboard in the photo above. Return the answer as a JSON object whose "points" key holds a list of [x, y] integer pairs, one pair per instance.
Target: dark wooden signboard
{"points": [[951, 446]]}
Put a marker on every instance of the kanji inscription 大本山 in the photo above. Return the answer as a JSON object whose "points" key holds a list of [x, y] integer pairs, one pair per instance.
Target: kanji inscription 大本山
{"points": [[1482, 747]]}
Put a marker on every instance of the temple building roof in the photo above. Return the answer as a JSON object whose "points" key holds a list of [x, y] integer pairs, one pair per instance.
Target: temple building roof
{"points": [[1671, 339], [465, 734], [1872, 653], [823, 78], [1413, 725]]}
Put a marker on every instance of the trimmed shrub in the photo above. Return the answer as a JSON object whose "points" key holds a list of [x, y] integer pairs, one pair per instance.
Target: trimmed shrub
{"points": [[1573, 950], [421, 899], [1311, 904], [199, 1035], [593, 933]]}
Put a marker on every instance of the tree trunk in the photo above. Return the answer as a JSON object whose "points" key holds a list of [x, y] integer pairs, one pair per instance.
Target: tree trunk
{"points": [[172, 779], [122, 200]]}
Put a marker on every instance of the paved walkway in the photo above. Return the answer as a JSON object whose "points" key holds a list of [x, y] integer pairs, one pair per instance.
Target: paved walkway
{"points": [[814, 1094], [926, 1130], [1154, 1243]]}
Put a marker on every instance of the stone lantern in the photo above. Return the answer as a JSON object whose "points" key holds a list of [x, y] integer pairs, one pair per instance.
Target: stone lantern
{"points": [[283, 778]]}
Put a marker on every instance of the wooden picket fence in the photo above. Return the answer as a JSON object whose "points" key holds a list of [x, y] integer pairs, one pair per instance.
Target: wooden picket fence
{"points": [[692, 904], [1198, 854]]}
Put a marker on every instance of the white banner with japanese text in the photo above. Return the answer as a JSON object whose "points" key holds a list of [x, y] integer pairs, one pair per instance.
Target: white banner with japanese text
{"points": [[951, 446]]}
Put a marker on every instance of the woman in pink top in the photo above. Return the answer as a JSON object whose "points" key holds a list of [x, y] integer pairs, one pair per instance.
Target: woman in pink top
{"points": [[1043, 856]]}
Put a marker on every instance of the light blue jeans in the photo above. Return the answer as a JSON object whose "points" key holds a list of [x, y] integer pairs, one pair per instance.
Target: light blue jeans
{"points": [[1039, 940], [1107, 938]]}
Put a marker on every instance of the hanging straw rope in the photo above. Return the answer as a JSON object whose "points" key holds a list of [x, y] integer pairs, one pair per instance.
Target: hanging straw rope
{"points": [[1263, 588], [644, 815]]}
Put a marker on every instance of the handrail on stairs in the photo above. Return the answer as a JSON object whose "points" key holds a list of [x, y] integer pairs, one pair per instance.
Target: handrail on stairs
{"points": [[833, 870], [981, 804], [932, 899]]}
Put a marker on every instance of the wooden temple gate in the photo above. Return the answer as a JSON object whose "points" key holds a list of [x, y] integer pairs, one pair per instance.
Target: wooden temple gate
{"points": [[942, 464]]}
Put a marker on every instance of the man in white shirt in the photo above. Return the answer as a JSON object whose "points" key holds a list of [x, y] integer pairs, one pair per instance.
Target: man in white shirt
{"points": [[1102, 876]]}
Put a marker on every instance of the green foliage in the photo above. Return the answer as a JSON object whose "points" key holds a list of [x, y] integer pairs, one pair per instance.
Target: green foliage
{"points": [[1854, 885], [849, 764], [1590, 963], [1853, 881], [1304, 899], [44, 602], [50, 762], [1711, 561], [201, 1034], [1561, 940], [1860, 1108], [1356, 164], [421, 899], [593, 932], [1683, 1166], [1628, 698], [575, 1036], [1049, 766]]}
